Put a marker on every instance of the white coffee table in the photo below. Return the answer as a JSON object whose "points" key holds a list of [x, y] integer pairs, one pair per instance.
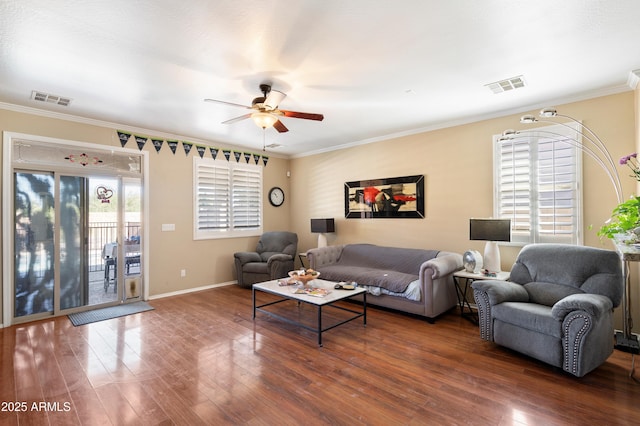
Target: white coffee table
{"points": [[287, 293]]}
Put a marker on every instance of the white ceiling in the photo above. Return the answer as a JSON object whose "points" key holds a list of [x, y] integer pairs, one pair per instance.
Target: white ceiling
{"points": [[374, 68]]}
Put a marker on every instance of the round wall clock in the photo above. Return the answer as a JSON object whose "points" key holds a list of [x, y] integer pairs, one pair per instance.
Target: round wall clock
{"points": [[276, 196]]}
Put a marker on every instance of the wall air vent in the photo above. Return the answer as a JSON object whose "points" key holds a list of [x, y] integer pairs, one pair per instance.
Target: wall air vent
{"points": [[506, 85], [51, 99]]}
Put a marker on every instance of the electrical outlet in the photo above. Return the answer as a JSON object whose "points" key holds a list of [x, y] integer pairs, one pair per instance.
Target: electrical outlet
{"points": [[183, 273]]}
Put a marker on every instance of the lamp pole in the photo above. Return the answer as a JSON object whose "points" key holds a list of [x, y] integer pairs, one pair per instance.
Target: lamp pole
{"points": [[625, 341]]}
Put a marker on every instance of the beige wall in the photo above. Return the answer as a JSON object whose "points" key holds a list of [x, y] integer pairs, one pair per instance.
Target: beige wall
{"points": [[456, 163], [171, 198]]}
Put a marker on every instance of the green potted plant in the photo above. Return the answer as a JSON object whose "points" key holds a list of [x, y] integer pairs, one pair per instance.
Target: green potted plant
{"points": [[625, 218]]}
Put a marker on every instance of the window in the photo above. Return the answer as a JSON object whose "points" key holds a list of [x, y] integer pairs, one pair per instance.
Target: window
{"points": [[228, 200], [537, 178]]}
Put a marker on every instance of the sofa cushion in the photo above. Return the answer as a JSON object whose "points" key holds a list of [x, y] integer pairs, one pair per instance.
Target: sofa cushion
{"points": [[394, 281], [392, 268], [529, 316], [267, 254], [549, 294], [256, 268], [399, 259]]}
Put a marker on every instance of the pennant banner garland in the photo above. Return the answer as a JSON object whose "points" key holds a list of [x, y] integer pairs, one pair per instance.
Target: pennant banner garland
{"points": [[141, 140], [157, 144], [173, 145], [201, 150], [187, 147], [124, 137]]}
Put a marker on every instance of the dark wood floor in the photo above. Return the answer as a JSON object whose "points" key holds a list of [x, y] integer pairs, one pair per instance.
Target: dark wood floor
{"points": [[201, 359]]}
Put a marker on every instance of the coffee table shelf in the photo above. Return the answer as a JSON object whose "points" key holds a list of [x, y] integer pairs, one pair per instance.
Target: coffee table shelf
{"points": [[287, 293]]}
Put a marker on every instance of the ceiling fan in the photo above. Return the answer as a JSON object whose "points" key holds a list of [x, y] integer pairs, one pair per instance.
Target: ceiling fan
{"points": [[266, 112]]}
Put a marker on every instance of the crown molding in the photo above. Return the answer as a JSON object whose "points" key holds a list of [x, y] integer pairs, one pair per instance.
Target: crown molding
{"points": [[632, 82], [633, 79], [474, 119]]}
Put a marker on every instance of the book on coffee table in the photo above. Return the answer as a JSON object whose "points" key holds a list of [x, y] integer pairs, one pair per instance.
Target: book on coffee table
{"points": [[313, 291]]}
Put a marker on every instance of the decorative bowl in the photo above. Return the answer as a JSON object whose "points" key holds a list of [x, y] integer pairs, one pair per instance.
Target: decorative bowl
{"points": [[303, 276]]}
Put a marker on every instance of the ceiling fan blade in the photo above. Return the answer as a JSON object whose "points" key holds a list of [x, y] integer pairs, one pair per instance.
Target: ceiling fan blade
{"points": [[280, 127], [227, 103], [234, 120], [273, 99], [305, 115]]}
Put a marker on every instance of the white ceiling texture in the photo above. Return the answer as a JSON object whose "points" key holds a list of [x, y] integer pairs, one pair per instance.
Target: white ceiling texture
{"points": [[374, 68]]}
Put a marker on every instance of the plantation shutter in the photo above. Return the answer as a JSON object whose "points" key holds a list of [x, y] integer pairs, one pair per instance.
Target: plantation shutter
{"points": [[212, 189], [537, 185], [557, 192], [514, 188], [228, 200], [246, 198]]}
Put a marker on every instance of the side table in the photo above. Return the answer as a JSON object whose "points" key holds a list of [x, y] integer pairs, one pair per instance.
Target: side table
{"points": [[301, 256], [461, 290]]}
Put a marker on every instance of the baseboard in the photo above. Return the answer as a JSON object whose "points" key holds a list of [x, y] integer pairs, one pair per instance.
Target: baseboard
{"points": [[630, 344], [186, 291], [191, 290], [616, 331]]}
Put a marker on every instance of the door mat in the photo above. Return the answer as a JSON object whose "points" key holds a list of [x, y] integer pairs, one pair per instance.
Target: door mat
{"points": [[87, 317]]}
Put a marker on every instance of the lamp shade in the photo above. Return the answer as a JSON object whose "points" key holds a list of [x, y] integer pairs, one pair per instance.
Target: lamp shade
{"points": [[323, 225], [490, 229]]}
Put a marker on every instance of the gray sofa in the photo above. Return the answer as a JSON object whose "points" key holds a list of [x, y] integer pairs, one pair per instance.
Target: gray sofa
{"points": [[390, 272], [558, 307]]}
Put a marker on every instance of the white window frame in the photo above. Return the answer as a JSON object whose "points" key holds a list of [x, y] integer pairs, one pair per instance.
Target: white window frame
{"points": [[237, 202], [525, 201]]}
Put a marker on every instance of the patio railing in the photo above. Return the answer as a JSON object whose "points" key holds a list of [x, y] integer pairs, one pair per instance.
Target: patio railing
{"points": [[101, 233]]}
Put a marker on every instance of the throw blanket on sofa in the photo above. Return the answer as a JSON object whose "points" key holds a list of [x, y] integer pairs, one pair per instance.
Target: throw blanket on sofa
{"points": [[390, 268]]}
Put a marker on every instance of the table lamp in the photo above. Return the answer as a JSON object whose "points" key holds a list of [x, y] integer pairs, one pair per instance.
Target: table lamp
{"points": [[491, 231], [322, 226]]}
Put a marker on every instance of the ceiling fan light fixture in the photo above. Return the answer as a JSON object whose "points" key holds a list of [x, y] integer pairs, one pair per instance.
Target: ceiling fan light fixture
{"points": [[264, 120]]}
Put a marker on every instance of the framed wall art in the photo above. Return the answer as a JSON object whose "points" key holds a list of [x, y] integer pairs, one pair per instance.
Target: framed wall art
{"points": [[398, 197]]}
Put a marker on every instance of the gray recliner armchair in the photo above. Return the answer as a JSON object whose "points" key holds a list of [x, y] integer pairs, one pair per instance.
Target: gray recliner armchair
{"points": [[273, 258], [557, 306]]}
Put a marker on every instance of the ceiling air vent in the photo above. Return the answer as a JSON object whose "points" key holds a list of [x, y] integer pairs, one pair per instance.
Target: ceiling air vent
{"points": [[51, 99], [274, 145], [506, 85]]}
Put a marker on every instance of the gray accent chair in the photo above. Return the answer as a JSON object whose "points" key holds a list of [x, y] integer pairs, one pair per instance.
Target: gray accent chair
{"points": [[273, 258], [557, 306]]}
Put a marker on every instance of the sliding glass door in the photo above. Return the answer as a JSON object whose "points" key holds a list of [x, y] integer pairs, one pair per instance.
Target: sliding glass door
{"points": [[77, 239], [34, 243], [74, 277]]}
